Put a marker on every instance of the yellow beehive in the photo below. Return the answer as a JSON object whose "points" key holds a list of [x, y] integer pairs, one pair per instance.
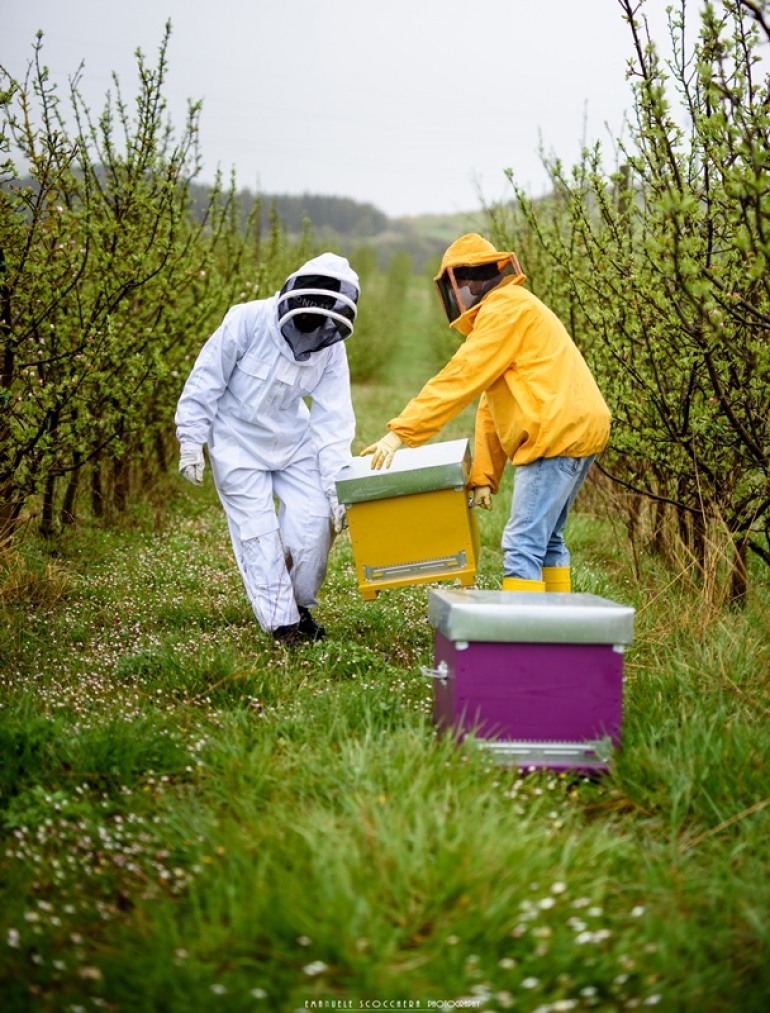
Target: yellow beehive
{"points": [[411, 523]]}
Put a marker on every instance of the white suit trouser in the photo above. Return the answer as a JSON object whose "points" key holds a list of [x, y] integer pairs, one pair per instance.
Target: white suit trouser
{"points": [[282, 556]]}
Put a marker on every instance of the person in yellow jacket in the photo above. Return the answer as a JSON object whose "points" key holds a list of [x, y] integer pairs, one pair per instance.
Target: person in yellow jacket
{"points": [[539, 408]]}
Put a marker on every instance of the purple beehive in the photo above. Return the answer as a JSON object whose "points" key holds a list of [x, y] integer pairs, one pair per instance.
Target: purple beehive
{"points": [[536, 679]]}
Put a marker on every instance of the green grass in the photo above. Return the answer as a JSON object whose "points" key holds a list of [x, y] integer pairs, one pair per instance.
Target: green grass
{"points": [[193, 820]]}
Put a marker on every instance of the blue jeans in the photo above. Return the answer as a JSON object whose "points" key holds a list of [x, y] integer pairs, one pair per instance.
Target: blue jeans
{"points": [[543, 493]]}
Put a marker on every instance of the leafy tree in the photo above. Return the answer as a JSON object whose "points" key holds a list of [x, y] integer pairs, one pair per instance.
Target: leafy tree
{"points": [[661, 268], [108, 286]]}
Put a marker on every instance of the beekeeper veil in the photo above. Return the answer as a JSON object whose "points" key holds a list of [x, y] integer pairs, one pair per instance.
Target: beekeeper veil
{"points": [[470, 268], [317, 305]]}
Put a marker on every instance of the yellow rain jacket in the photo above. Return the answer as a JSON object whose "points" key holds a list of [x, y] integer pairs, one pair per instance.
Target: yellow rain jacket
{"points": [[538, 397]]}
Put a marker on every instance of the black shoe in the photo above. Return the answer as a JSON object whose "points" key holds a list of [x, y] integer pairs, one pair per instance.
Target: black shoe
{"points": [[308, 626], [290, 636]]}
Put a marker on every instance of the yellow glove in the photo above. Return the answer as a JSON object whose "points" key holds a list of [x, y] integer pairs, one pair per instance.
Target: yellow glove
{"points": [[384, 450], [482, 497]]}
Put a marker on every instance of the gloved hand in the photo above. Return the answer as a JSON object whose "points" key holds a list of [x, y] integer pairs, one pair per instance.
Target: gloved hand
{"points": [[383, 450], [339, 515], [482, 497], [192, 463]]}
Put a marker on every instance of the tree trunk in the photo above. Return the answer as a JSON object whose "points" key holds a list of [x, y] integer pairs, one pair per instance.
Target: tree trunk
{"points": [[683, 527], [11, 498], [11, 503], [739, 577], [97, 491], [700, 527], [47, 528], [658, 541], [120, 482], [161, 452], [67, 515]]}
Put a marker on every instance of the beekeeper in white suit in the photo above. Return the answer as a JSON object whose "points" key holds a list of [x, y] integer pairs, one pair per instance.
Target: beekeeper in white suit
{"points": [[245, 399]]}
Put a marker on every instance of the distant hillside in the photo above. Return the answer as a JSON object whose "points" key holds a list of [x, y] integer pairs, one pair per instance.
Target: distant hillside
{"points": [[345, 223], [424, 237], [348, 224]]}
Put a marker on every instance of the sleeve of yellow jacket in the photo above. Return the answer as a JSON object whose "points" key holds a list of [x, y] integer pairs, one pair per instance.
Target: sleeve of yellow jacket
{"points": [[489, 456], [540, 397], [483, 358]]}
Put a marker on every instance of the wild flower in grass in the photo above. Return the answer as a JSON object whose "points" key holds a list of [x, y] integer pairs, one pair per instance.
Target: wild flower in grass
{"points": [[258, 993], [14, 938], [529, 983], [583, 937], [219, 989], [315, 967]]}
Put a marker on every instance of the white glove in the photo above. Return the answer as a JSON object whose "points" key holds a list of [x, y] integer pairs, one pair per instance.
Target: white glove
{"points": [[339, 515], [383, 450], [192, 463]]}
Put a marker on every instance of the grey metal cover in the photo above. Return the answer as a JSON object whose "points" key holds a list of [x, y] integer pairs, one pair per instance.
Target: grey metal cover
{"points": [[523, 617], [413, 470]]}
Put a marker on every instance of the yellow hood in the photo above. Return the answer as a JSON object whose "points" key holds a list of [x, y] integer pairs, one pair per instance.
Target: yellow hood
{"points": [[471, 250]]}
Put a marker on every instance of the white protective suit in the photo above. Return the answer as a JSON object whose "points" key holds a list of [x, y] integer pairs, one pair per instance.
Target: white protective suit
{"points": [[245, 398]]}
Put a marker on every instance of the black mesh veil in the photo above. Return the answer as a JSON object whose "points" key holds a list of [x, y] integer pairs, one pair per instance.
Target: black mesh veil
{"points": [[315, 311], [463, 287]]}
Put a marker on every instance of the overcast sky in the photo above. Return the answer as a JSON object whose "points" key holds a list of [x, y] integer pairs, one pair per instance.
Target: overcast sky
{"points": [[415, 106]]}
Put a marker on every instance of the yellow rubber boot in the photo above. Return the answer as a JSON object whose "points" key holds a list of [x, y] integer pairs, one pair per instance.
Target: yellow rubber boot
{"points": [[557, 578], [519, 584]]}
